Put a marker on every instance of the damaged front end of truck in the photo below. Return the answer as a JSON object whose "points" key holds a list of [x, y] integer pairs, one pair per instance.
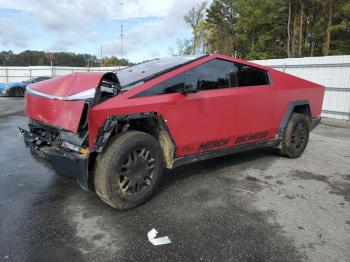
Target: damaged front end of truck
{"points": [[58, 111]]}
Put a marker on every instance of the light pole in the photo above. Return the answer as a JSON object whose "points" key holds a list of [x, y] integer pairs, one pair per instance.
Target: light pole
{"points": [[101, 57]]}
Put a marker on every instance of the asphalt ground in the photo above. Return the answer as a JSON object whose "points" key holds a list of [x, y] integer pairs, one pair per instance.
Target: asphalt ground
{"points": [[253, 206]]}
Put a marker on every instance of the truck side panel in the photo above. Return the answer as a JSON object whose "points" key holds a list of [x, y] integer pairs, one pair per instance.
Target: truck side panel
{"points": [[290, 89]]}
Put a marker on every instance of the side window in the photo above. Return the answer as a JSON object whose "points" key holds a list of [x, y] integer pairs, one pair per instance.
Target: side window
{"points": [[250, 76], [171, 85], [214, 74]]}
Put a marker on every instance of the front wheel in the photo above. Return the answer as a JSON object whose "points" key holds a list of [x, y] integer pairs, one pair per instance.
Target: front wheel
{"points": [[128, 171], [12, 92], [296, 136]]}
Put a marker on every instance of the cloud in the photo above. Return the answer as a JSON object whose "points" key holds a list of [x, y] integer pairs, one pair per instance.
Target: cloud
{"points": [[147, 23], [92, 36], [11, 34], [171, 26], [62, 43]]}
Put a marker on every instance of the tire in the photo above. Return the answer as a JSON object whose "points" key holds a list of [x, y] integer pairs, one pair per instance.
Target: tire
{"points": [[296, 136], [12, 92], [20, 92], [128, 170], [16, 92]]}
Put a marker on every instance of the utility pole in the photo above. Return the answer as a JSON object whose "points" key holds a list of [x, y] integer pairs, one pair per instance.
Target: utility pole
{"points": [[121, 30], [101, 57]]}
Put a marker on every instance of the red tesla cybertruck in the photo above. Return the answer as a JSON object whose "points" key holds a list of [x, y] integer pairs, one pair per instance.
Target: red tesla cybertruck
{"points": [[115, 132]]}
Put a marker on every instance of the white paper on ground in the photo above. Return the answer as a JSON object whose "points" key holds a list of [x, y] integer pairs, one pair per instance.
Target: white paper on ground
{"points": [[157, 241]]}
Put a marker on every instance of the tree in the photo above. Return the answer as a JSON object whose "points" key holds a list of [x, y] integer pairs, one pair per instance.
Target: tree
{"points": [[288, 27], [183, 47], [115, 61], [34, 58], [221, 23], [259, 29], [194, 19]]}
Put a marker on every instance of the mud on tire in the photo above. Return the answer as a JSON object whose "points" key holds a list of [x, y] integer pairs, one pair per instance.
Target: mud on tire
{"points": [[128, 170], [296, 136]]}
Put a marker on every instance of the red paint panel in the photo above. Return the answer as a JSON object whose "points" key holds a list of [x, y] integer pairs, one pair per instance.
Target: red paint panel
{"points": [[255, 109], [62, 114], [192, 119], [290, 88], [69, 84], [214, 115]]}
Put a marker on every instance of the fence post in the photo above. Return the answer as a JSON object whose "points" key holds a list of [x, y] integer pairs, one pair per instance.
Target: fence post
{"points": [[284, 67], [30, 73], [51, 68], [7, 75]]}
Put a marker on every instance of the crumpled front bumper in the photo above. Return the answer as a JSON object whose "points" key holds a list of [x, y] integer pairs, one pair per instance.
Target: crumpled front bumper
{"points": [[68, 164], [4, 92]]}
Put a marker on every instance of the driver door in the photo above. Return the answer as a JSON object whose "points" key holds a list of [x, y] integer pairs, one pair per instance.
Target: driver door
{"points": [[200, 121]]}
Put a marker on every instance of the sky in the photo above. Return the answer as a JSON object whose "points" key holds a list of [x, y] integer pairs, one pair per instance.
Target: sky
{"points": [[151, 27]]}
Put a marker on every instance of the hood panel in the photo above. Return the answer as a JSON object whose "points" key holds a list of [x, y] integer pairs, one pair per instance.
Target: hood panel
{"points": [[62, 114], [68, 85]]}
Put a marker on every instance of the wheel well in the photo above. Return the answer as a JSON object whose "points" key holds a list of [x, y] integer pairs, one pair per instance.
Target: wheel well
{"points": [[304, 109], [149, 123], [156, 127]]}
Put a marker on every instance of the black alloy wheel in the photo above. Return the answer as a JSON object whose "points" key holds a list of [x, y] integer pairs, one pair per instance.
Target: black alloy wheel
{"points": [[129, 169], [137, 171], [299, 135], [296, 135]]}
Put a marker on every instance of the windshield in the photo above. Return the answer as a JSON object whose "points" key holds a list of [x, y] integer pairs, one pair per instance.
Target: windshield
{"points": [[131, 76], [30, 80]]}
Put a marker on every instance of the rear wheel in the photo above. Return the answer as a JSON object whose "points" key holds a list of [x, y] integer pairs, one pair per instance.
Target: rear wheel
{"points": [[20, 92], [128, 171], [296, 136]]}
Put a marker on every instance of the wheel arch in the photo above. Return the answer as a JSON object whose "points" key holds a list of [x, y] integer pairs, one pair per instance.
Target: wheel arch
{"points": [[301, 106], [148, 122]]}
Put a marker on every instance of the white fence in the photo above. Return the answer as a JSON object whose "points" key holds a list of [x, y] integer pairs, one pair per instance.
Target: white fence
{"points": [[333, 72], [18, 73]]}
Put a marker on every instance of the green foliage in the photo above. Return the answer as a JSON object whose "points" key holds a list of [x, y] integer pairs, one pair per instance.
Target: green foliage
{"points": [[195, 19], [183, 47], [115, 61], [35, 58], [259, 29]]}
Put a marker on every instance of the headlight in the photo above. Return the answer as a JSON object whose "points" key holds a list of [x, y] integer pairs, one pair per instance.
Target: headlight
{"points": [[5, 90], [90, 93]]}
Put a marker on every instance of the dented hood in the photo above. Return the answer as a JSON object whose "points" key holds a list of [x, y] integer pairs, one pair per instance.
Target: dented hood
{"points": [[68, 85], [55, 102]]}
